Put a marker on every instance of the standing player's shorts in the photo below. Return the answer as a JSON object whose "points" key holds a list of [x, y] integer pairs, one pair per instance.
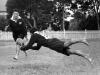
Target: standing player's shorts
{"points": [[15, 36]]}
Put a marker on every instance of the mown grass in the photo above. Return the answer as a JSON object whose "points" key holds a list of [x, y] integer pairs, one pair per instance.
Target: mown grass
{"points": [[45, 69], [48, 62]]}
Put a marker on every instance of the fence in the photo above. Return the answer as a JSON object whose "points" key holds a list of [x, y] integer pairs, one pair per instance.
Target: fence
{"points": [[59, 34], [74, 35]]}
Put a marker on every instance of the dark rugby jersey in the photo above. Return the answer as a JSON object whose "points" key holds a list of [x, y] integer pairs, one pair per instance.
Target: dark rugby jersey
{"points": [[53, 43], [17, 27]]}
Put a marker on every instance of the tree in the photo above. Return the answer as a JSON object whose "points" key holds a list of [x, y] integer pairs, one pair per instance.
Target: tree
{"points": [[3, 22], [39, 9], [23, 6], [92, 5], [96, 4], [46, 12], [89, 6], [43, 11]]}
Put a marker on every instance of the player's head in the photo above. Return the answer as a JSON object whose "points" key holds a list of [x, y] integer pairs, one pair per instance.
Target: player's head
{"points": [[15, 15], [33, 30]]}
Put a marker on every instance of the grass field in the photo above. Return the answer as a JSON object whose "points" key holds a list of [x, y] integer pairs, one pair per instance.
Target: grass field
{"points": [[49, 62]]}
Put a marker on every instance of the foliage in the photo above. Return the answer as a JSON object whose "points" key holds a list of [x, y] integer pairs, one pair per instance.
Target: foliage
{"points": [[48, 13], [3, 22]]}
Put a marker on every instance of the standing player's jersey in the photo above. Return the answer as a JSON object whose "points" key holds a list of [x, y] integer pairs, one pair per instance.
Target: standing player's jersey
{"points": [[17, 27]]}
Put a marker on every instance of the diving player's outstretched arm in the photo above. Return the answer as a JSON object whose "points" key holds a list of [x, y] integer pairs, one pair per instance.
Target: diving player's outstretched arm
{"points": [[34, 38], [36, 47]]}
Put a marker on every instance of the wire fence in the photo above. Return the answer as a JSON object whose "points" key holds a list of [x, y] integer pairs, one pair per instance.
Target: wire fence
{"points": [[59, 34]]}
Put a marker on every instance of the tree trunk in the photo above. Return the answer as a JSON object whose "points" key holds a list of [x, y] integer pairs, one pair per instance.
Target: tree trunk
{"points": [[34, 21], [96, 7], [98, 20]]}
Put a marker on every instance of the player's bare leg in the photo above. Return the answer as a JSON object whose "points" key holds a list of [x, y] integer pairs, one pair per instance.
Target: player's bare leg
{"points": [[76, 52], [19, 43], [79, 53], [17, 52]]}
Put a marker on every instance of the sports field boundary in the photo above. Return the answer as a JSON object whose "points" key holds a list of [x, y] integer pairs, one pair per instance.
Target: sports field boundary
{"points": [[59, 34]]}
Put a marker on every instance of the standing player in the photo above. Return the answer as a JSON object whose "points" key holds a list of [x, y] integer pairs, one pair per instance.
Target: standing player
{"points": [[17, 27]]}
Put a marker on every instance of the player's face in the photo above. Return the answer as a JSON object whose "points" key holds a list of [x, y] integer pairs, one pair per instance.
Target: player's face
{"points": [[15, 15]]}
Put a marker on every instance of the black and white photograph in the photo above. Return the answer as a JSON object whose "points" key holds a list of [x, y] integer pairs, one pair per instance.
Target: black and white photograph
{"points": [[49, 37]]}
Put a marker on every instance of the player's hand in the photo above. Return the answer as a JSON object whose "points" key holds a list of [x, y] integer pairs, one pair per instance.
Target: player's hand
{"points": [[6, 28], [24, 48]]}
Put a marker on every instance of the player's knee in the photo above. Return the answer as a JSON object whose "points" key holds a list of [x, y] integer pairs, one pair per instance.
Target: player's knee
{"points": [[19, 41]]}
